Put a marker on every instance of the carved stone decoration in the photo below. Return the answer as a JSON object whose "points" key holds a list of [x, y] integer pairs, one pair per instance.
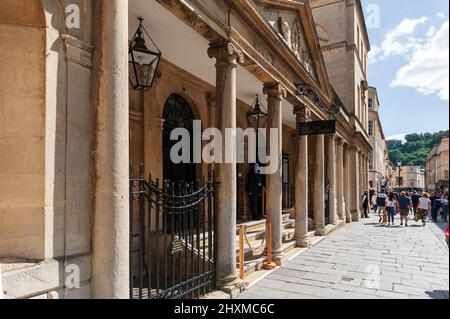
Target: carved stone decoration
{"points": [[296, 40], [285, 31]]}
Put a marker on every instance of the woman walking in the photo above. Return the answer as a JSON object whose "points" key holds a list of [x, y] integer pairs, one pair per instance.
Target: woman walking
{"points": [[390, 207], [424, 207], [365, 204]]}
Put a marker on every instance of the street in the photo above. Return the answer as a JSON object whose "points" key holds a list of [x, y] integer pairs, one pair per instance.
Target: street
{"points": [[365, 260]]}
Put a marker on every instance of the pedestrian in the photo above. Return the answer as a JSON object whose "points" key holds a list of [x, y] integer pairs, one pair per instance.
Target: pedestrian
{"points": [[381, 204], [436, 206], [390, 207], [444, 202], [365, 204], [424, 207], [254, 187], [374, 203], [415, 201], [404, 204]]}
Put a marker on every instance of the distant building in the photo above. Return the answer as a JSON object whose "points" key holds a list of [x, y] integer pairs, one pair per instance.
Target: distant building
{"points": [[437, 167], [412, 177], [379, 166]]}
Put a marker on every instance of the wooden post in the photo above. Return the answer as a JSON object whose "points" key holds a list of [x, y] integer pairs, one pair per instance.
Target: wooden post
{"points": [[241, 252], [269, 265]]}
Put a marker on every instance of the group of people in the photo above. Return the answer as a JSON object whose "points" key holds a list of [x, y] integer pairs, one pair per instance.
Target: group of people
{"points": [[388, 203]]}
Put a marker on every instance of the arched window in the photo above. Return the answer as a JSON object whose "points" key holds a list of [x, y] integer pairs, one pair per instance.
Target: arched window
{"points": [[177, 114]]}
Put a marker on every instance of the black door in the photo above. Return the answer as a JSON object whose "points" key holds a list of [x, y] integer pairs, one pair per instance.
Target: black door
{"points": [[177, 114]]}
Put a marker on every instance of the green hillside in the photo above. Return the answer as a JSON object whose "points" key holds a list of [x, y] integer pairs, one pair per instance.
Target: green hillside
{"points": [[415, 151]]}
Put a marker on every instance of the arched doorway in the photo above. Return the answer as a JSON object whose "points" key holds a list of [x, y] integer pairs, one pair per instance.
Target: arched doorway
{"points": [[177, 114]]}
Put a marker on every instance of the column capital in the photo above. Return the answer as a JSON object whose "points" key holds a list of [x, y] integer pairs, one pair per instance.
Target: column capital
{"points": [[302, 112], [353, 148], [274, 91], [226, 52]]}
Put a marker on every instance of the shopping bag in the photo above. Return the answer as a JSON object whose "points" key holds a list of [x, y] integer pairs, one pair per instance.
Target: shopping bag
{"points": [[384, 216], [416, 217]]}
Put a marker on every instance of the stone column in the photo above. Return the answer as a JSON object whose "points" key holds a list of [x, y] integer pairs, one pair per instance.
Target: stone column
{"points": [[301, 181], [319, 187], [348, 215], [110, 233], [227, 57], [275, 94], [340, 180], [354, 184], [331, 169]]}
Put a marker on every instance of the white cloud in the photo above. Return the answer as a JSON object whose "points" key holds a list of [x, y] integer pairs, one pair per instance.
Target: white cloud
{"points": [[400, 137], [394, 42], [428, 68], [440, 15]]}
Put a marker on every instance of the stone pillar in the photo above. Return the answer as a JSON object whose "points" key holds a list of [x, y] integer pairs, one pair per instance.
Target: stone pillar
{"points": [[319, 187], [348, 215], [331, 169], [301, 181], [340, 180], [227, 57], [110, 234], [275, 94], [354, 184]]}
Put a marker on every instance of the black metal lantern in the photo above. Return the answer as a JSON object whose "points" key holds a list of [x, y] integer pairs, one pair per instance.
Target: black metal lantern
{"points": [[142, 61], [257, 119]]}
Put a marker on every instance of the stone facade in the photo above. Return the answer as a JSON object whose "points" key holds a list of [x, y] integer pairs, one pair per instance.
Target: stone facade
{"points": [[413, 177], [379, 157], [71, 126], [437, 167]]}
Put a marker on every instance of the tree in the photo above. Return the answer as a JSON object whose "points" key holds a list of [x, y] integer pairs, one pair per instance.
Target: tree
{"points": [[415, 151]]}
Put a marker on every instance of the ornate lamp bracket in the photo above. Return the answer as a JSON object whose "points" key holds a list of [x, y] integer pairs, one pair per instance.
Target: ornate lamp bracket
{"points": [[305, 89]]}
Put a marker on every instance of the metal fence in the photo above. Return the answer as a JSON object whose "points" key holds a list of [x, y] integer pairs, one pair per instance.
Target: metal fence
{"points": [[171, 239]]}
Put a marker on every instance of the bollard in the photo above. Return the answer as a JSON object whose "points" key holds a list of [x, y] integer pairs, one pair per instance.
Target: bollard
{"points": [[241, 252], [269, 265]]}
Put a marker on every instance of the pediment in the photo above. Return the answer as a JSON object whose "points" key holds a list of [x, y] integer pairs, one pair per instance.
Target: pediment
{"points": [[292, 21]]}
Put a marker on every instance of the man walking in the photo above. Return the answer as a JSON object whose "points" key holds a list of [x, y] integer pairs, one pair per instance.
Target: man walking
{"points": [[405, 204], [381, 204]]}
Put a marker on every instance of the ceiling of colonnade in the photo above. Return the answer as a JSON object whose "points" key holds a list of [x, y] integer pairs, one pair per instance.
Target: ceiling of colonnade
{"points": [[187, 49]]}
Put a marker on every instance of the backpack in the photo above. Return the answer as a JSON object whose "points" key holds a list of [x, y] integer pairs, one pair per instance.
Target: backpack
{"points": [[381, 200]]}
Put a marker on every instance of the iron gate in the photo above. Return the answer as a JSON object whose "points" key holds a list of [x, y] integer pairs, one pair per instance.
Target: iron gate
{"points": [[171, 239]]}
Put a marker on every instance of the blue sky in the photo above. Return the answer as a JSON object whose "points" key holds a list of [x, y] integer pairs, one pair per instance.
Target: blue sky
{"points": [[409, 63]]}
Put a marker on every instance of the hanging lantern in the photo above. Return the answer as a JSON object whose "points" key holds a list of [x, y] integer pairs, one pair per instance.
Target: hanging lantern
{"points": [[256, 119], [142, 61]]}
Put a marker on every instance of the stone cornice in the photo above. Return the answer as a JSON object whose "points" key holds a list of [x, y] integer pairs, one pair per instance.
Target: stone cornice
{"points": [[78, 51]]}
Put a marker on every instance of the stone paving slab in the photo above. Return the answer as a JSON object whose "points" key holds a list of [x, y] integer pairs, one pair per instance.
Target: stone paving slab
{"points": [[365, 260]]}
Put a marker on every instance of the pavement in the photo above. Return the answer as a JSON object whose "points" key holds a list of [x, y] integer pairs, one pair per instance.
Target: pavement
{"points": [[365, 260]]}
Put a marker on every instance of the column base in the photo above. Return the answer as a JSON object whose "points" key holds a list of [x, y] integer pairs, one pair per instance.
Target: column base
{"points": [[338, 223], [305, 240], [356, 216], [348, 217], [231, 285], [321, 231], [277, 257]]}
